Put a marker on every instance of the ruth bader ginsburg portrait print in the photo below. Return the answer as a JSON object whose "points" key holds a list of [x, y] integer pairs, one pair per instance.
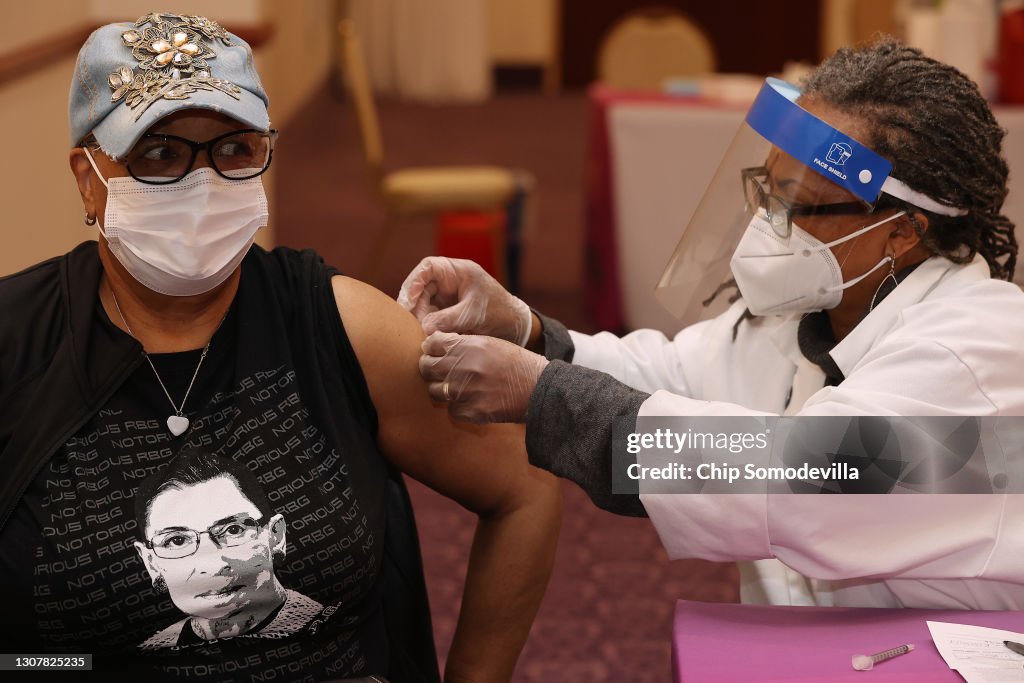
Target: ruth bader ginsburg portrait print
{"points": [[210, 538]]}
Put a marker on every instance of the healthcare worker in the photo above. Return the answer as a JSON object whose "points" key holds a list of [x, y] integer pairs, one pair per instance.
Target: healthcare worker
{"points": [[860, 222]]}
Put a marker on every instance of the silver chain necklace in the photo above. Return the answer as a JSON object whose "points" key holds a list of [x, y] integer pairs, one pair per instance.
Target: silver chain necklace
{"points": [[177, 422]]}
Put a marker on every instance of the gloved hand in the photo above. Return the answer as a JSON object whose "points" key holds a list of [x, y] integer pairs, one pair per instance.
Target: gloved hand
{"points": [[456, 295], [482, 379]]}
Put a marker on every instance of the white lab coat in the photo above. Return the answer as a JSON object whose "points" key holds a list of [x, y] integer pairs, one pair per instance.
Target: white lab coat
{"points": [[948, 341]]}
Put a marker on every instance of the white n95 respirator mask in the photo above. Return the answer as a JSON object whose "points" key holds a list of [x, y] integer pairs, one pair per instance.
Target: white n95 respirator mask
{"points": [[186, 237], [796, 274]]}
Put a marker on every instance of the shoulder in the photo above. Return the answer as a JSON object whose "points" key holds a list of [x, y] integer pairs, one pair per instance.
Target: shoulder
{"points": [[31, 300], [302, 604], [36, 302], [296, 282], [369, 313], [962, 342], [43, 282], [289, 266], [298, 610], [31, 284], [166, 637], [385, 337], [968, 311]]}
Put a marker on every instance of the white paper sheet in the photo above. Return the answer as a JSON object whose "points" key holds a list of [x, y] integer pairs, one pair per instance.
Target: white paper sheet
{"points": [[978, 653]]}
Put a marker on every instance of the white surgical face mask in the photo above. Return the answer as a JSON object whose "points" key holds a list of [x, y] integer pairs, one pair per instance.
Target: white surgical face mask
{"points": [[184, 238], [798, 274]]}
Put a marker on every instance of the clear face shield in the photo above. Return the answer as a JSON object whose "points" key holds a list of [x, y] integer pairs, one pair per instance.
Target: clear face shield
{"points": [[786, 168]]}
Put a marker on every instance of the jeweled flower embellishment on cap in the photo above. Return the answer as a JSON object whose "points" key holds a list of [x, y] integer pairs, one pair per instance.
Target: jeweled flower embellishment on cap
{"points": [[208, 27], [172, 53], [126, 82], [177, 48]]}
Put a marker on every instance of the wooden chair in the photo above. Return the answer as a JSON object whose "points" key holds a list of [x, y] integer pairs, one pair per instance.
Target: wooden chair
{"points": [[434, 189], [649, 45]]}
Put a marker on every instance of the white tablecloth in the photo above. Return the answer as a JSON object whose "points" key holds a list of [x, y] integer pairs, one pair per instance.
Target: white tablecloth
{"points": [[663, 157]]}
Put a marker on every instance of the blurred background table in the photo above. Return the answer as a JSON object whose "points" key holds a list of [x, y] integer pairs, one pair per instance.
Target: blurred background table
{"points": [[725, 643], [650, 158]]}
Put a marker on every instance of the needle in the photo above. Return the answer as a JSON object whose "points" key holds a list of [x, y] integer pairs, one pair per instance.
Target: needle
{"points": [[867, 662]]}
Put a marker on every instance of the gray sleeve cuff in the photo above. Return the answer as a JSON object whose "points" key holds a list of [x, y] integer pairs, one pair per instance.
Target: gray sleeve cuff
{"points": [[557, 342], [569, 430]]}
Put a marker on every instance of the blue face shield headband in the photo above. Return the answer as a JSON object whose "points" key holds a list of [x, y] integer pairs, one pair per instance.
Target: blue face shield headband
{"points": [[777, 117]]}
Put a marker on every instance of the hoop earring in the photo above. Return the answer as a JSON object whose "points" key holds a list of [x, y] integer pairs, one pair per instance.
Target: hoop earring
{"points": [[89, 220], [891, 275]]}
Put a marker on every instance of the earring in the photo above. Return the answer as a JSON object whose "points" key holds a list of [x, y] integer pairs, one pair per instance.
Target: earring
{"points": [[89, 220], [890, 276], [160, 585]]}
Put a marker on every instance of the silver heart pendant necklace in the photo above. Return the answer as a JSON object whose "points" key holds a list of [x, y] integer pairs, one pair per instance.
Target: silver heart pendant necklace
{"points": [[177, 423]]}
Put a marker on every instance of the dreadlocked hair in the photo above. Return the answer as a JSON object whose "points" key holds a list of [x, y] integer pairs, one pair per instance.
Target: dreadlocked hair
{"points": [[932, 123]]}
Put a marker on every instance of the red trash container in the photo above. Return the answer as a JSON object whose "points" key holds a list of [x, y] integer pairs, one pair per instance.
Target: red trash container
{"points": [[475, 235]]}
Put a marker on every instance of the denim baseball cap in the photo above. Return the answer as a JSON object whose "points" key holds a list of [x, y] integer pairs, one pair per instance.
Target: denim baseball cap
{"points": [[130, 75]]}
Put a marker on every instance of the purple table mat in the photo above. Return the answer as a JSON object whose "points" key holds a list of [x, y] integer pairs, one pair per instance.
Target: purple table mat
{"points": [[726, 642]]}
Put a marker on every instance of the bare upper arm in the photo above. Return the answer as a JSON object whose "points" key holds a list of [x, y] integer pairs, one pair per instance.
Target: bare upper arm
{"points": [[483, 468]]}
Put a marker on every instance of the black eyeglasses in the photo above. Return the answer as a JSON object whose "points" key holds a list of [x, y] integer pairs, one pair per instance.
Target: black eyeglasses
{"points": [[780, 212], [160, 159], [179, 542]]}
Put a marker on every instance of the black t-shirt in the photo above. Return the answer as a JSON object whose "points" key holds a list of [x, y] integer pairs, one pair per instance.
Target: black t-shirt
{"points": [[261, 560]]}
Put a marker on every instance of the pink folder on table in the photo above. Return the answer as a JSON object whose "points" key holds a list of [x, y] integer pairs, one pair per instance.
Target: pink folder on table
{"points": [[725, 643]]}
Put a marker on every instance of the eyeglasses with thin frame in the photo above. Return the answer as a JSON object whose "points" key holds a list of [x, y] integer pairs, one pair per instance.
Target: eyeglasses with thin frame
{"points": [[177, 542], [161, 158], [780, 212]]}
